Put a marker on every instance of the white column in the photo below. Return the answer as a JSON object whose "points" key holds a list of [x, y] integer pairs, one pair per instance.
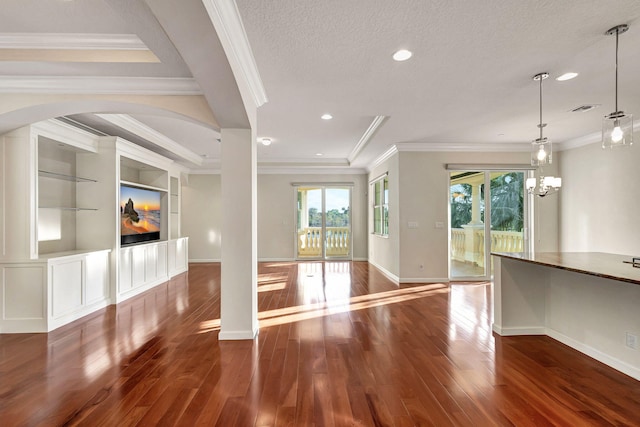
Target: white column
{"points": [[304, 220], [475, 204], [239, 250]]}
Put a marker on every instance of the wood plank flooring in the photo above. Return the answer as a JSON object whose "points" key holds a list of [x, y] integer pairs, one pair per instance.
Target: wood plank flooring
{"points": [[339, 345]]}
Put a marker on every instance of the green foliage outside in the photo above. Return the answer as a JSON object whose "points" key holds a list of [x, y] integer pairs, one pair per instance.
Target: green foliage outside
{"points": [[335, 217], [507, 198], [461, 205]]}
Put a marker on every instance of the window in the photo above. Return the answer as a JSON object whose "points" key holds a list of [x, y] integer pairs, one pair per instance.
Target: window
{"points": [[381, 206]]}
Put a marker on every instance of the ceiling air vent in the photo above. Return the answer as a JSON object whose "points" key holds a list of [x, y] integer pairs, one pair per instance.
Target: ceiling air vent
{"points": [[584, 108]]}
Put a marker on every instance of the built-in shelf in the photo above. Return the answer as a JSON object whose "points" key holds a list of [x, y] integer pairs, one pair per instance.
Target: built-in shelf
{"points": [[67, 208], [143, 186], [63, 177], [174, 204]]}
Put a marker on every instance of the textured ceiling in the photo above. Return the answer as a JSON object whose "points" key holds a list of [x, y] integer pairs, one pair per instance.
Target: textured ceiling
{"points": [[468, 83]]}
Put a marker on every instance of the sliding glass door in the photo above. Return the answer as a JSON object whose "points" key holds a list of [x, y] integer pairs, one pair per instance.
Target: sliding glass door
{"points": [[323, 228], [488, 213]]}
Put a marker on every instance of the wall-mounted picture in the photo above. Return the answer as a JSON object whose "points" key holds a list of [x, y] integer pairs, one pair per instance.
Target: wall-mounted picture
{"points": [[139, 215]]}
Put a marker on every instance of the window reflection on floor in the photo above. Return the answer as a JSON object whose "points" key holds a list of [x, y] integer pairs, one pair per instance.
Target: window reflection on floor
{"points": [[328, 282]]}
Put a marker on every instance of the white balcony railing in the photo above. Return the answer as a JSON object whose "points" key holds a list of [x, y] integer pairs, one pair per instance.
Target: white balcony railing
{"points": [[337, 242], [467, 244]]}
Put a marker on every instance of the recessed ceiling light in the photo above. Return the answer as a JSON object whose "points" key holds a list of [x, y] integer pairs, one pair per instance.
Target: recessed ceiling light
{"points": [[566, 76], [319, 154], [402, 55], [326, 116], [265, 141]]}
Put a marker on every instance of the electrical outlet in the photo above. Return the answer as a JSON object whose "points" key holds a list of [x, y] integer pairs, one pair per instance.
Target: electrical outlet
{"points": [[631, 341]]}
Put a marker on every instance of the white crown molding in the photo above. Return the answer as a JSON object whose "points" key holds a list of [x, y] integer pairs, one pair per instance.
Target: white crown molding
{"points": [[306, 170], [464, 147], [579, 141], [99, 85], [71, 41], [446, 147], [266, 169], [366, 137], [140, 154], [383, 158], [68, 134], [306, 162], [226, 20], [591, 138], [132, 125]]}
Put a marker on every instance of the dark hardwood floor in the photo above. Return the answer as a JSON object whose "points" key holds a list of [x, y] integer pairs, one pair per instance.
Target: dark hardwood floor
{"points": [[339, 345]]}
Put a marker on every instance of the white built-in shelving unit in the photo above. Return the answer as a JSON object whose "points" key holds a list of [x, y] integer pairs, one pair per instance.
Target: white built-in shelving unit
{"points": [[61, 256]]}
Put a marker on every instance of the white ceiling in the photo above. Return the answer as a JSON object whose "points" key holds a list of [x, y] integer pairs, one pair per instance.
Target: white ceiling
{"points": [[468, 84]]}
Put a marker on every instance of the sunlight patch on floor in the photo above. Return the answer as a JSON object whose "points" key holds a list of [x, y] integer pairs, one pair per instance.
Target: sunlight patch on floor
{"points": [[339, 305]]}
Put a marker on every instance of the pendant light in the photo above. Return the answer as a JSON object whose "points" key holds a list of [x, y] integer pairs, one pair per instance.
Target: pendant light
{"points": [[541, 146], [541, 155], [617, 127]]}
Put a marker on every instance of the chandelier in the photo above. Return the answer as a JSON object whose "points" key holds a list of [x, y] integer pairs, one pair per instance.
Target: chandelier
{"points": [[541, 154]]}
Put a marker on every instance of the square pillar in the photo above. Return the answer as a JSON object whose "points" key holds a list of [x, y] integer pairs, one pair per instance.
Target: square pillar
{"points": [[239, 249]]}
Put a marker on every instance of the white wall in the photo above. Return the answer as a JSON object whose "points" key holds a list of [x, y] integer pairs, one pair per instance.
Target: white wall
{"points": [[600, 201], [384, 251], [423, 191], [276, 213], [201, 214]]}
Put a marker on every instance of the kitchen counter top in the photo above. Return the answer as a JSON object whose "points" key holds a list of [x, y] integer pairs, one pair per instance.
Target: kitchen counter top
{"points": [[600, 264]]}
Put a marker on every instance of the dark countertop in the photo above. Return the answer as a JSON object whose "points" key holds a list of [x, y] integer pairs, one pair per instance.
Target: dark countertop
{"points": [[608, 266]]}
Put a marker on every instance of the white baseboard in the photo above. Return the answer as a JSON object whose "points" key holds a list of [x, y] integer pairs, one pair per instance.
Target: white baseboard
{"points": [[237, 335], [617, 364], [360, 259], [276, 260], [525, 330], [386, 272], [196, 261], [424, 280], [123, 296]]}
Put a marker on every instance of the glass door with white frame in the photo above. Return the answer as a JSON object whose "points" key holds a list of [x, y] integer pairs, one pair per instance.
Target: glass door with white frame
{"points": [[488, 213], [508, 212], [466, 225], [323, 228], [337, 222]]}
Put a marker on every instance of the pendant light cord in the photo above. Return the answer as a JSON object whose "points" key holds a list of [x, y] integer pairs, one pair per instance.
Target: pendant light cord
{"points": [[540, 125], [617, 34]]}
